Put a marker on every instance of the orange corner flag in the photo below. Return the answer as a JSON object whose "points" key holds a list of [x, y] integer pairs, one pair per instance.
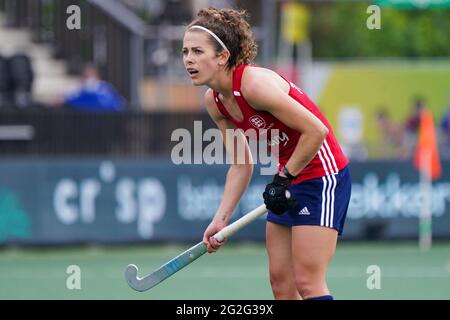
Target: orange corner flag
{"points": [[426, 157]]}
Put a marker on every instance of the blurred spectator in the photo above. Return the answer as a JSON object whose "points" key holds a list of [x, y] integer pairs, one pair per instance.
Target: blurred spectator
{"points": [[392, 135], [6, 84], [445, 122], [413, 121], [412, 125], [445, 129], [22, 76], [94, 94], [16, 81]]}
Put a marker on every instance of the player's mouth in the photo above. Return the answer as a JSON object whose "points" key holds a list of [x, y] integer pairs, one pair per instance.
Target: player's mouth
{"points": [[192, 72]]}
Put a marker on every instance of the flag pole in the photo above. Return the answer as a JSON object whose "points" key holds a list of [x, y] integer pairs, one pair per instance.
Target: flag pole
{"points": [[426, 160], [425, 219]]}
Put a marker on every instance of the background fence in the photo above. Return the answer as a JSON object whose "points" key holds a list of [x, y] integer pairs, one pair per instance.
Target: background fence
{"points": [[66, 133]]}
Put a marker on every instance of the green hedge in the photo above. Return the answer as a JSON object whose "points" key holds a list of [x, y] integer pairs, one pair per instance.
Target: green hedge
{"points": [[340, 30]]}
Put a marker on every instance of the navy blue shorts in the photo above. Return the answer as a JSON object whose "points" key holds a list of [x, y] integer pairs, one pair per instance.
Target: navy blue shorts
{"points": [[321, 202]]}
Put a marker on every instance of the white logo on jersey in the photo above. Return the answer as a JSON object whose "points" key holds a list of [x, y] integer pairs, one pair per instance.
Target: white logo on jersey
{"points": [[257, 121], [277, 140]]}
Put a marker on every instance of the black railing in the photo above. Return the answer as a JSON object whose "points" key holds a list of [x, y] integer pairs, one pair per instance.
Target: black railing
{"points": [[67, 133]]}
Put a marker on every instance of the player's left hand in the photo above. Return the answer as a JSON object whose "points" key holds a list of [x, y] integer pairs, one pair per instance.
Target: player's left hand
{"points": [[277, 197], [212, 244]]}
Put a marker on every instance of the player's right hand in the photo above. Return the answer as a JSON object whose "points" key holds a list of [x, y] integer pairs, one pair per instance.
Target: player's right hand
{"points": [[277, 197], [212, 243]]}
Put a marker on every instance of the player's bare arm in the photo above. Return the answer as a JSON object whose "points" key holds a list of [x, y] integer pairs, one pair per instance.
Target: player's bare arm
{"points": [[265, 92], [238, 176]]}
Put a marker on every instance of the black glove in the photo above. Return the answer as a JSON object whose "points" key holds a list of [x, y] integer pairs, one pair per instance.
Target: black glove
{"points": [[277, 197]]}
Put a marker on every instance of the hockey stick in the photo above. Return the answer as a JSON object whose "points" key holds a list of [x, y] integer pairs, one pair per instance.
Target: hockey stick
{"points": [[187, 257]]}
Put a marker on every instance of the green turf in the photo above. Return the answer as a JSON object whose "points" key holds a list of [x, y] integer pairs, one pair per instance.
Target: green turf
{"points": [[235, 272]]}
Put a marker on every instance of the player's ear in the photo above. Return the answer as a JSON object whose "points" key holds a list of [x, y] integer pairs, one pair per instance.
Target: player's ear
{"points": [[224, 56]]}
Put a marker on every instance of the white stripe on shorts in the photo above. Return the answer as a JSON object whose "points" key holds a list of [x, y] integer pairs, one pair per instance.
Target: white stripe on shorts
{"points": [[328, 197], [333, 177], [322, 214], [327, 203]]}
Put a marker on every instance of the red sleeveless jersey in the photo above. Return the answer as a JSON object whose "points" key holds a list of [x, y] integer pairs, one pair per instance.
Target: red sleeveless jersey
{"points": [[329, 160]]}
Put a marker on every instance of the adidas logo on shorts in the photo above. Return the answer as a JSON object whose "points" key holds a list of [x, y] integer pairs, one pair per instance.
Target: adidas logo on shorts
{"points": [[304, 212]]}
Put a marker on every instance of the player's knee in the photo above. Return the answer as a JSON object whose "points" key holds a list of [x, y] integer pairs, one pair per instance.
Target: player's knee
{"points": [[309, 285], [277, 277], [280, 282]]}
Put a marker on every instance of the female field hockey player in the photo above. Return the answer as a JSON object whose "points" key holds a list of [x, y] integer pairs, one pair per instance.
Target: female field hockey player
{"points": [[303, 226]]}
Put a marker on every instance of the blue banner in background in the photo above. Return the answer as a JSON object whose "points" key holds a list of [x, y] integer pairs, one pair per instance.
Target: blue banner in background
{"points": [[120, 201]]}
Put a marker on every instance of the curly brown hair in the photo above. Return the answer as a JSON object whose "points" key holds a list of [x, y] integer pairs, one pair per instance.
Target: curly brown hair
{"points": [[231, 26]]}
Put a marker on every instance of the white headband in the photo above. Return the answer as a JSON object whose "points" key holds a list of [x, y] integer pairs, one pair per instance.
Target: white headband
{"points": [[212, 34]]}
